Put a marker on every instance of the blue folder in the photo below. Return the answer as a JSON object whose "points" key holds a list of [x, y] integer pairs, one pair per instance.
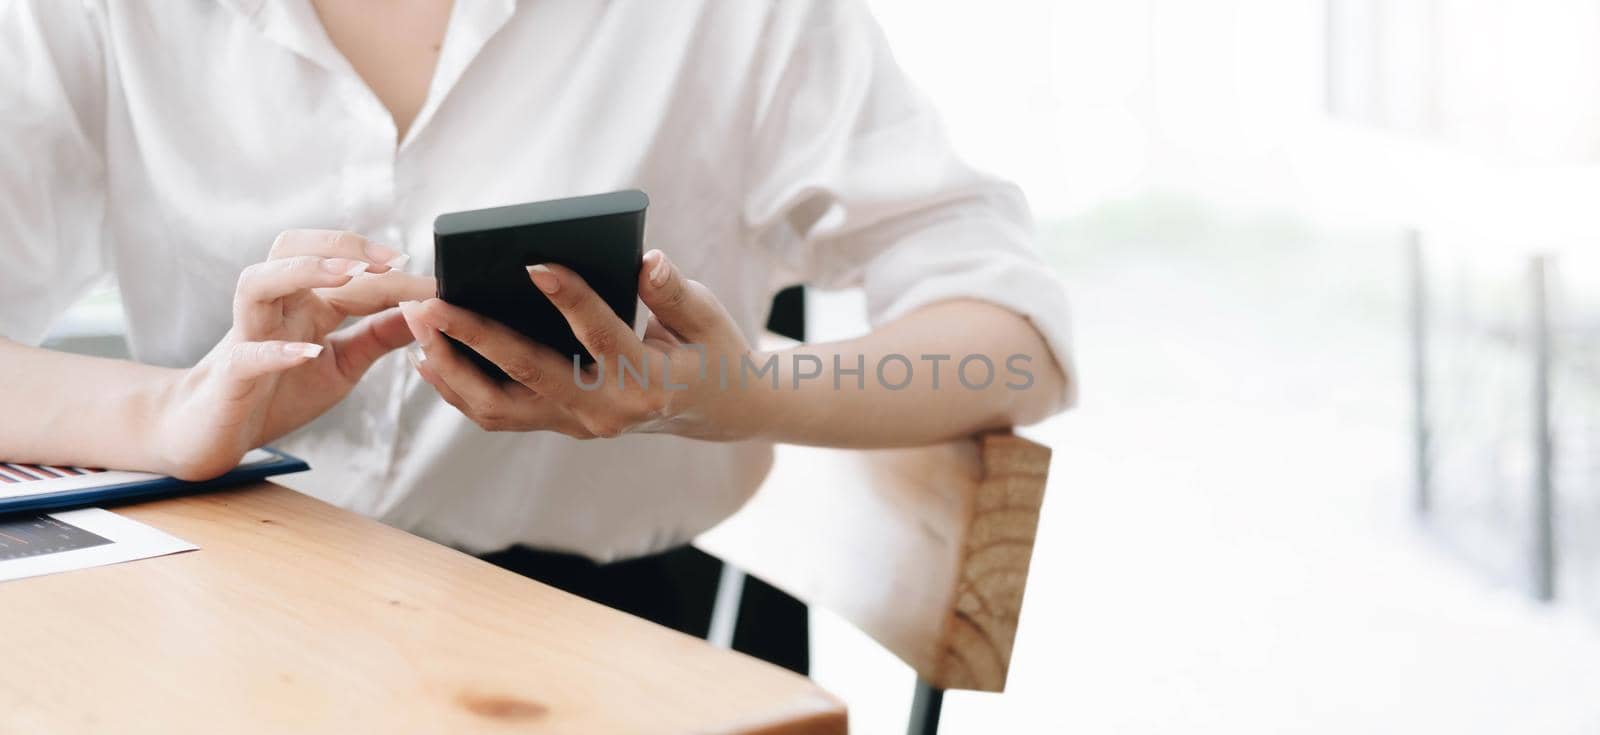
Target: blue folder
{"points": [[149, 489]]}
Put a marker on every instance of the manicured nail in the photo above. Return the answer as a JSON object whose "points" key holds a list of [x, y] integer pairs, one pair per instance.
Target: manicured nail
{"points": [[416, 357], [658, 272], [344, 266], [303, 349], [544, 279], [383, 254], [398, 261], [419, 331]]}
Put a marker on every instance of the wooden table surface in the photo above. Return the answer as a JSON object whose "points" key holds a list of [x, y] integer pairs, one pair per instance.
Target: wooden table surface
{"points": [[296, 616]]}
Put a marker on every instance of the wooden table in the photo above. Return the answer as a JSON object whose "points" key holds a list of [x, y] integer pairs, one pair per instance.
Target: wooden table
{"points": [[296, 616]]}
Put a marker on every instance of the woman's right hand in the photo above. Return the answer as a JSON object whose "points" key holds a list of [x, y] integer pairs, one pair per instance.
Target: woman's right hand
{"points": [[282, 363]]}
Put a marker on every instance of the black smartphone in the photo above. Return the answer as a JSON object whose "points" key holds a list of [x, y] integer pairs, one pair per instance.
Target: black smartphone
{"points": [[481, 259]]}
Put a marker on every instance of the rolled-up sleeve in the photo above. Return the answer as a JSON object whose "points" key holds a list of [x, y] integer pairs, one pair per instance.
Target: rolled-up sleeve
{"points": [[854, 183], [52, 191]]}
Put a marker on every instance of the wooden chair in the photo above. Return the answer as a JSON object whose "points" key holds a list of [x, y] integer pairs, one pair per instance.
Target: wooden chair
{"points": [[924, 549]]}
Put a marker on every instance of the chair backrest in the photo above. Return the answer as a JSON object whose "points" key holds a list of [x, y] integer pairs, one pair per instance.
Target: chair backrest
{"points": [[925, 549]]}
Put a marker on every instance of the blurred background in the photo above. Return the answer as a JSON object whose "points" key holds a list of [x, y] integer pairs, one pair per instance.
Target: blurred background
{"points": [[1252, 203], [1337, 462]]}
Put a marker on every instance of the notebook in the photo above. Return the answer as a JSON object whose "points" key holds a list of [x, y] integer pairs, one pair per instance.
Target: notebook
{"points": [[39, 488]]}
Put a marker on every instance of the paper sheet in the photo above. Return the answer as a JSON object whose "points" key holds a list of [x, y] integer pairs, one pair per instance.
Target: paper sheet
{"points": [[33, 545]]}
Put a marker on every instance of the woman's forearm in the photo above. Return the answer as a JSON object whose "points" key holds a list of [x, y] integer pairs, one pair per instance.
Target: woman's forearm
{"points": [[76, 410], [945, 371]]}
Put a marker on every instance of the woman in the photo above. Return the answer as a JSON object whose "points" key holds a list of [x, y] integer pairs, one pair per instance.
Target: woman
{"points": [[171, 146]]}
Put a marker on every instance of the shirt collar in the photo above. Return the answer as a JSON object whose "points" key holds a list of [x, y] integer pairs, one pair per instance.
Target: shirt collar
{"points": [[294, 25]]}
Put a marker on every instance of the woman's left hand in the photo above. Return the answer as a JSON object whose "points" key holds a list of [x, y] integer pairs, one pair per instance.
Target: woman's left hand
{"points": [[694, 351]]}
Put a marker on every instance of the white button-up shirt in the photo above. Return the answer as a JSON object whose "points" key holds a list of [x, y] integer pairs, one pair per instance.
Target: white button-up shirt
{"points": [[168, 143]]}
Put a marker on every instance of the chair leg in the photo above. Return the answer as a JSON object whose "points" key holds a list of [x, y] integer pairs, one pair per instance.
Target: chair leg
{"points": [[725, 610], [925, 706]]}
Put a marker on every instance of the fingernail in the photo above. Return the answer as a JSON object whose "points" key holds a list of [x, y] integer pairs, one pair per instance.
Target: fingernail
{"points": [[303, 349], [398, 261], [544, 279], [416, 357], [344, 266], [382, 254], [658, 272], [419, 331]]}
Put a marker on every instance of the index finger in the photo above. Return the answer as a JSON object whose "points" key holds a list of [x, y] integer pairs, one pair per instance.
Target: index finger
{"points": [[535, 366], [375, 292], [596, 326], [337, 244]]}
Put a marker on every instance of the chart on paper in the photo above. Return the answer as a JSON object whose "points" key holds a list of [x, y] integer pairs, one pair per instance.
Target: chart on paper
{"points": [[34, 545], [11, 472], [22, 480], [36, 535]]}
